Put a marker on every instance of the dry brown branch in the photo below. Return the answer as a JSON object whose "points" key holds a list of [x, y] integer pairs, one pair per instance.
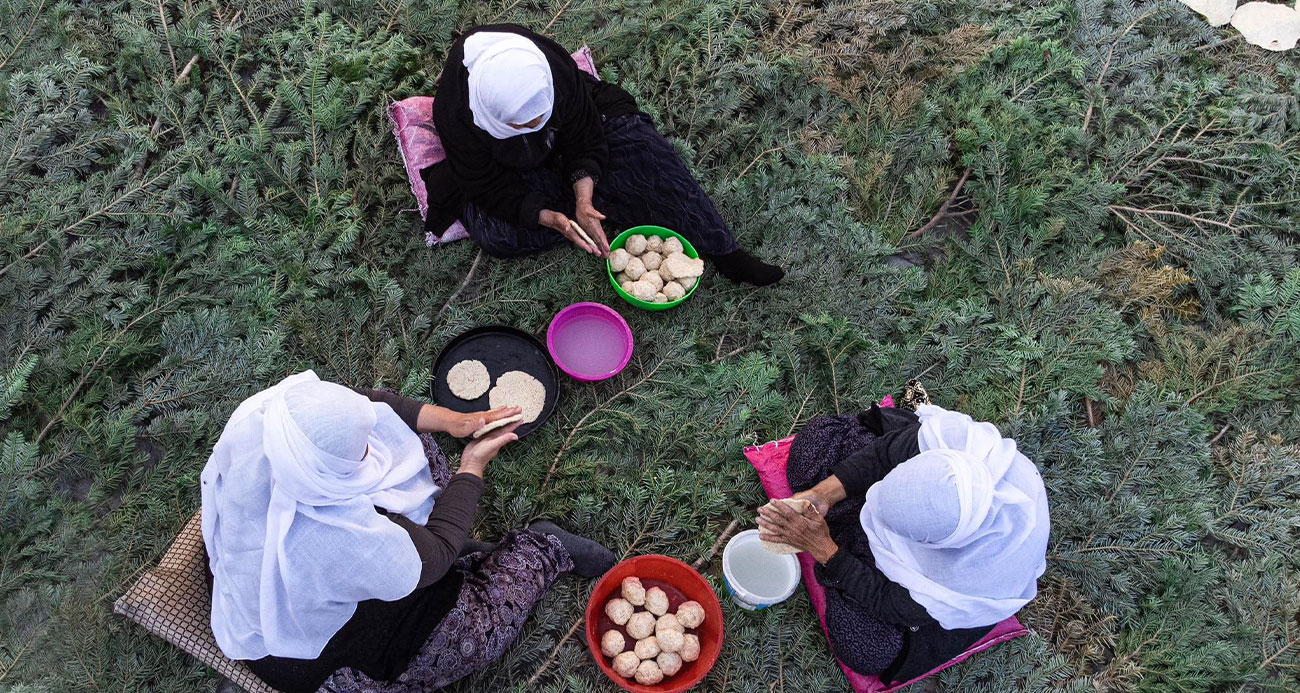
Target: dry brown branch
{"points": [[1219, 436], [185, 71], [465, 282], [555, 651], [162, 17], [717, 545], [557, 16], [943, 209]]}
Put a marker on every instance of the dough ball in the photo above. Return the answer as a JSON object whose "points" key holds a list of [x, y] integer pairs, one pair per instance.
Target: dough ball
{"points": [[686, 282], [682, 266], [690, 614], [656, 602], [673, 291], [641, 625], [690, 648], [668, 622], [625, 665], [654, 278], [519, 389], [618, 259], [626, 286], [666, 272], [635, 244], [619, 610], [634, 269], [661, 297], [648, 674], [669, 663], [633, 591], [470, 379], [672, 245], [671, 640], [647, 648], [643, 290], [612, 643], [652, 260], [654, 243]]}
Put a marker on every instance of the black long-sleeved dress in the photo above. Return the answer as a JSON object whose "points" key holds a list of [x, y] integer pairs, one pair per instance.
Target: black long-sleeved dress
{"points": [[852, 572], [486, 171]]}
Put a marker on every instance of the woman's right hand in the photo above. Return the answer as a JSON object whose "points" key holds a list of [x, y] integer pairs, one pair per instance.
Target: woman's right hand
{"points": [[562, 224], [474, 460]]}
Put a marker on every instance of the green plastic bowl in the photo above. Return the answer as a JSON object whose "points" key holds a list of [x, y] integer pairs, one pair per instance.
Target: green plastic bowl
{"points": [[661, 232]]}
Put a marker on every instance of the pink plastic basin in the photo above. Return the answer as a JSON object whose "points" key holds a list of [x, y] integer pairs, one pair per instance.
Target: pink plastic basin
{"points": [[589, 341]]}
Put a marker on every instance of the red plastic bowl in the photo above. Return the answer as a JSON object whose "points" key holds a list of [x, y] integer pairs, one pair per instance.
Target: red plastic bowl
{"points": [[692, 585]]}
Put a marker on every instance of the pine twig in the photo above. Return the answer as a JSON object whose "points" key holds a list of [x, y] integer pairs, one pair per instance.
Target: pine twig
{"points": [[1092, 416], [555, 651], [943, 209], [564, 447], [758, 158], [557, 16], [23, 38], [465, 282], [1219, 436]]}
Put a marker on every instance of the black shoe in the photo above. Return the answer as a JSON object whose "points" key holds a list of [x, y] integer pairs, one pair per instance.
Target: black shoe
{"points": [[474, 546], [741, 267], [590, 560]]}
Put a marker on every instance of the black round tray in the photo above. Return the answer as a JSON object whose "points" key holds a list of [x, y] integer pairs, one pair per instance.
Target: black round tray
{"points": [[502, 349]]}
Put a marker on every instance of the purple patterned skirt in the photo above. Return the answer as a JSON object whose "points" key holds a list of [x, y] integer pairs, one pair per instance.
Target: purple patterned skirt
{"points": [[499, 591]]}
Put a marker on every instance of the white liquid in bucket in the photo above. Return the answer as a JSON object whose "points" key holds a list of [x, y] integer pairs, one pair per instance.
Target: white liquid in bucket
{"points": [[760, 572]]}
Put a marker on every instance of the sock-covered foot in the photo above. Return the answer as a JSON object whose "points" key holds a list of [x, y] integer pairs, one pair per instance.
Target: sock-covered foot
{"points": [[740, 266], [590, 559], [474, 546]]}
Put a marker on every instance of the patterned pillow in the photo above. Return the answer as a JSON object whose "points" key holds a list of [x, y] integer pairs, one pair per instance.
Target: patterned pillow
{"points": [[420, 147], [173, 602]]}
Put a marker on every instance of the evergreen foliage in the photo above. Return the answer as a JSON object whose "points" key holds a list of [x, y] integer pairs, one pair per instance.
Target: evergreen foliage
{"points": [[198, 198]]}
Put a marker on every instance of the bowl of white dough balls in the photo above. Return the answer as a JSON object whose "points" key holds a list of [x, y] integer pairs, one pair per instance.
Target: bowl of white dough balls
{"points": [[654, 625], [653, 268]]}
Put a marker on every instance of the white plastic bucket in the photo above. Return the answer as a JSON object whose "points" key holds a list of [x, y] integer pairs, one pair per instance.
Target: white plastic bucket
{"points": [[757, 578]]}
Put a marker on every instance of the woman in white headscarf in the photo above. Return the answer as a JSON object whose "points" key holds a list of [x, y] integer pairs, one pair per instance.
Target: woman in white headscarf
{"points": [[536, 146], [928, 529], [338, 541]]}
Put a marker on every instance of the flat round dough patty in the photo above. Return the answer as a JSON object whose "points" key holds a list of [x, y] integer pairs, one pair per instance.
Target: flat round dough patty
{"points": [[799, 505], [521, 390], [468, 379]]}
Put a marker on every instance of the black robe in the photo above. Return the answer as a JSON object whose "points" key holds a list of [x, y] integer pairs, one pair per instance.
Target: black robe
{"points": [[486, 171]]}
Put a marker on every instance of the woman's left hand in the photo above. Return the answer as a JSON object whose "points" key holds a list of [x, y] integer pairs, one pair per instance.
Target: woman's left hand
{"points": [[806, 531], [589, 219], [435, 419]]}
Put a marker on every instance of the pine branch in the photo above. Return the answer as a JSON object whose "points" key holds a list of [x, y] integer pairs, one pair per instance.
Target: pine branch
{"points": [[22, 38]]}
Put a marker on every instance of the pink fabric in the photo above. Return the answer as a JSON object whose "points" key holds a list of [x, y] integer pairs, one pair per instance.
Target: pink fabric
{"points": [[418, 143], [769, 461]]}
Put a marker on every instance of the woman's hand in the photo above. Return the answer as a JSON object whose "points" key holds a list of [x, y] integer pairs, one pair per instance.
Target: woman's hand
{"points": [[474, 460], [589, 219], [825, 494], [806, 531], [559, 222], [435, 419]]}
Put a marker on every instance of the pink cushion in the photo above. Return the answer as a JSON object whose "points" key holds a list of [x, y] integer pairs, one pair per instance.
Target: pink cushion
{"points": [[769, 461], [412, 120]]}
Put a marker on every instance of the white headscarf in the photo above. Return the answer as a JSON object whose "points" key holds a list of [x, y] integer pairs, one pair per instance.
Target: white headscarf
{"points": [[289, 497], [509, 82], [963, 525]]}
